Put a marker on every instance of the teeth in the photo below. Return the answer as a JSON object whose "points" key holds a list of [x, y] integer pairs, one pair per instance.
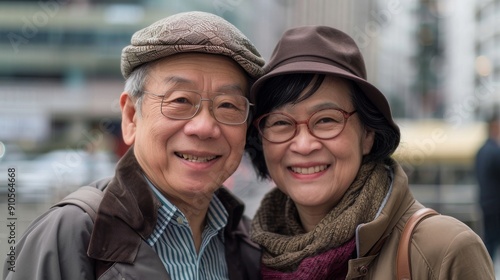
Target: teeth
{"points": [[196, 159], [309, 170]]}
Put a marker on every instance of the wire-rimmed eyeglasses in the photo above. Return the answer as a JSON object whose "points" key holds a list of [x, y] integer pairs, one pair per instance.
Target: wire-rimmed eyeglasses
{"points": [[323, 124], [180, 104]]}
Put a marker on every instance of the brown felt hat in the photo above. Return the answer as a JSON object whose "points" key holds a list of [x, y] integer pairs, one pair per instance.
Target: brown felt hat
{"points": [[191, 32], [324, 50]]}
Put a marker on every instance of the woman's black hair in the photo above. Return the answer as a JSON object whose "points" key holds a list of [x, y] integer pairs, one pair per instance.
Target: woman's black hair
{"points": [[280, 90], [386, 136]]}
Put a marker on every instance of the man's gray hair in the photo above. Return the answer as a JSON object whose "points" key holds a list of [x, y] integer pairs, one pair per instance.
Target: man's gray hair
{"points": [[135, 85]]}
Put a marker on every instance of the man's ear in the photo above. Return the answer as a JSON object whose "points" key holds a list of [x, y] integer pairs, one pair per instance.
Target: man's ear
{"points": [[128, 118]]}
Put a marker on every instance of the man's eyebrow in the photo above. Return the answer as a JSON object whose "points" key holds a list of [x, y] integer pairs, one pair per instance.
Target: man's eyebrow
{"points": [[230, 88], [176, 80]]}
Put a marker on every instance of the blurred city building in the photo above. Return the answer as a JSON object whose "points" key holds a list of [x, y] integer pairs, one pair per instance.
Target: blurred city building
{"points": [[435, 59], [487, 59], [59, 70]]}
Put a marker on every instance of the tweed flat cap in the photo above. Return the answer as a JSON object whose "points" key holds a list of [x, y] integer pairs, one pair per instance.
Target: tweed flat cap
{"points": [[191, 32]]}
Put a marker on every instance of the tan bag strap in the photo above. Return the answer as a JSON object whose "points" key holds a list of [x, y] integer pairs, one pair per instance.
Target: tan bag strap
{"points": [[403, 265]]}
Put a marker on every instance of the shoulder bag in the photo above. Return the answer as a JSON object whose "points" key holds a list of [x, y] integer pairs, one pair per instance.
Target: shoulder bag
{"points": [[403, 265]]}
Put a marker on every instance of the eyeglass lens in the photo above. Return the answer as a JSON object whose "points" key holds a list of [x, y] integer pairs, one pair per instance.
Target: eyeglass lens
{"points": [[324, 124], [185, 104]]}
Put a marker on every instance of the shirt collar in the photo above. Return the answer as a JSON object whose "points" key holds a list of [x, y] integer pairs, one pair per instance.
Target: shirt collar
{"points": [[217, 215]]}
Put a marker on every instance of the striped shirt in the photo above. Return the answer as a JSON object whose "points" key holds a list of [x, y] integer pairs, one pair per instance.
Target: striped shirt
{"points": [[172, 240]]}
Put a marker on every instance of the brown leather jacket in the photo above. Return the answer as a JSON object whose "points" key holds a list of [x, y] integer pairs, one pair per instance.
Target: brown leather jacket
{"points": [[64, 243], [441, 248]]}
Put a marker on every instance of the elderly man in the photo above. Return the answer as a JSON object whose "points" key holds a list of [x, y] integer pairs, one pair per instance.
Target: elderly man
{"points": [[164, 214]]}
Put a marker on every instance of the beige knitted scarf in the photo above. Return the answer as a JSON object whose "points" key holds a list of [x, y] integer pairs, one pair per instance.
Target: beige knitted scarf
{"points": [[277, 227]]}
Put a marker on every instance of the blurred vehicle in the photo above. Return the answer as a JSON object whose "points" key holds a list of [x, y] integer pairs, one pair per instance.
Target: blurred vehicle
{"points": [[11, 156], [51, 176], [11, 152]]}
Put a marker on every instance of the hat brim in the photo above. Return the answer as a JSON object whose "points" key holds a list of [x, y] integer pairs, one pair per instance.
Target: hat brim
{"points": [[370, 91]]}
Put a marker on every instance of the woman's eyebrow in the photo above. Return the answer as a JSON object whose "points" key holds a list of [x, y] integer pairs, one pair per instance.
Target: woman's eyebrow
{"points": [[324, 105]]}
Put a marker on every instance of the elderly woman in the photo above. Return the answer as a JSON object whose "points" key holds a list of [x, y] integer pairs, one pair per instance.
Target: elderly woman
{"points": [[325, 136]]}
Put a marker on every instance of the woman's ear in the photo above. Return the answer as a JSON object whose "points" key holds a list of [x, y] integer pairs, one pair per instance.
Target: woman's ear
{"points": [[367, 141], [129, 118]]}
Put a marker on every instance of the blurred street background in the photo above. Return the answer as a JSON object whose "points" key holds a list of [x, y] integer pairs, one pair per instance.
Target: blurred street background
{"points": [[437, 61]]}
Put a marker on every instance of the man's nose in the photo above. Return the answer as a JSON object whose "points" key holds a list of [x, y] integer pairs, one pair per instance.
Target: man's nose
{"points": [[203, 124]]}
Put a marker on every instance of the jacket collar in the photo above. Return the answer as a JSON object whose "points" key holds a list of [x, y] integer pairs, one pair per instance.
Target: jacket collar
{"points": [[128, 213], [371, 236]]}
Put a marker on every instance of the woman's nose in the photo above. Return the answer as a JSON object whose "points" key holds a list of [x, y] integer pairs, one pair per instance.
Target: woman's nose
{"points": [[304, 142]]}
